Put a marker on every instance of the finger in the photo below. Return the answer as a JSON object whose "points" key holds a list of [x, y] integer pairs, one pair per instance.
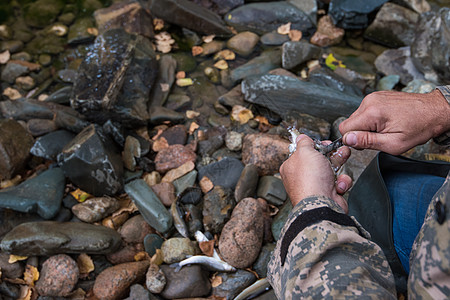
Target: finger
{"points": [[304, 141], [357, 121], [343, 183], [372, 140], [339, 157]]}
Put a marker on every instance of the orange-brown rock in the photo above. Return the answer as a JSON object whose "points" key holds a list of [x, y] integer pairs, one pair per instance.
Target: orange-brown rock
{"points": [[173, 157], [327, 34]]}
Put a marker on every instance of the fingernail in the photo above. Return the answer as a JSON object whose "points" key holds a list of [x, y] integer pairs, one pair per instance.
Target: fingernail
{"points": [[300, 137], [342, 186], [350, 139]]}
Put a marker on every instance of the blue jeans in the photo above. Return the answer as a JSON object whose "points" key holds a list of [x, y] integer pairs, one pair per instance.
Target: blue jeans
{"points": [[410, 195]]}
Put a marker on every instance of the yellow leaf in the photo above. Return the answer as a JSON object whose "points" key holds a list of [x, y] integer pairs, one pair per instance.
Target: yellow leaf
{"points": [[157, 258], [85, 264], [333, 63], [217, 280], [284, 29], [141, 256], [241, 114], [30, 275], [158, 24], [221, 65], [13, 258], [193, 127], [80, 195], [184, 82], [226, 54]]}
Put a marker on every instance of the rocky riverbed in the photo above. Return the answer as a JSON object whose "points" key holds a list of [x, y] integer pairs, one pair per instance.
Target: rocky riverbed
{"points": [[137, 134]]}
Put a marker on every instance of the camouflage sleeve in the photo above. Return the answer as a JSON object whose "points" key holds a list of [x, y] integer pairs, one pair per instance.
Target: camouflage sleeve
{"points": [[444, 139], [328, 259], [430, 257]]}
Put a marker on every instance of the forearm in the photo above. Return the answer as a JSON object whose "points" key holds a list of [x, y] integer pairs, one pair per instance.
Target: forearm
{"points": [[326, 259], [444, 138]]}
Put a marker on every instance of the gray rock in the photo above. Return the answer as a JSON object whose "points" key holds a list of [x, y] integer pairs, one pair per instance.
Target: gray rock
{"points": [[232, 97], [243, 43], [152, 242], [67, 75], [419, 6], [9, 290], [185, 181], [225, 172], [233, 140], [329, 78], [61, 96], [280, 219], [398, 62], [176, 249], [260, 265], [15, 144], [23, 109], [10, 219], [38, 127], [95, 209], [247, 183], [131, 151], [348, 14], [78, 31], [394, 26], [309, 7], [51, 144], [138, 292], [70, 122], [159, 114], [282, 94], [190, 15], [419, 86], [265, 17], [272, 190], [43, 12], [189, 282], [387, 83], [296, 53], [430, 52], [12, 71], [274, 39], [155, 279], [10, 270], [218, 205], [11, 46], [97, 172], [259, 65], [233, 283], [166, 78], [42, 194], [48, 238], [123, 79], [149, 205]]}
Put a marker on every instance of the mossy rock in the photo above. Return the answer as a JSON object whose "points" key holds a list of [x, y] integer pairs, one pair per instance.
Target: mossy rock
{"points": [[185, 62], [49, 44], [42, 12]]}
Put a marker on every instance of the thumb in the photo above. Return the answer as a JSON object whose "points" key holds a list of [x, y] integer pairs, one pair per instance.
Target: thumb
{"points": [[304, 141], [369, 140]]}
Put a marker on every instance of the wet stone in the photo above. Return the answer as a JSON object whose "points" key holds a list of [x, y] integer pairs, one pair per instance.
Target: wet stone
{"points": [[218, 205], [419, 86], [233, 140], [173, 157], [241, 238], [176, 249], [125, 254], [48, 237], [15, 144], [297, 53], [79, 31], [38, 127], [247, 183], [160, 115], [259, 65], [12, 71], [327, 34], [185, 182], [280, 219], [189, 282], [353, 15], [272, 190], [243, 43], [43, 12], [233, 283], [149, 205], [387, 83], [42, 194], [175, 135], [138, 292], [67, 75], [178, 172], [11, 46], [260, 265], [9, 290], [98, 173], [191, 195], [135, 229], [155, 279], [58, 276], [152, 242], [21, 56], [95, 209], [274, 39], [164, 81], [10, 270], [398, 62], [131, 151], [165, 192], [26, 83], [113, 283], [224, 173]]}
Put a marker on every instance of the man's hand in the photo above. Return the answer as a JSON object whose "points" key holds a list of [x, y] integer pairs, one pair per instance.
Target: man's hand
{"points": [[395, 122], [307, 172]]}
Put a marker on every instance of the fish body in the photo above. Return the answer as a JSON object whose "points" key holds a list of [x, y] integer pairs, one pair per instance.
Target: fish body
{"points": [[209, 263], [254, 290]]}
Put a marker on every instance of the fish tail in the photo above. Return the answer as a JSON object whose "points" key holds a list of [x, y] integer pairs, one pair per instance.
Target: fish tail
{"points": [[177, 266]]}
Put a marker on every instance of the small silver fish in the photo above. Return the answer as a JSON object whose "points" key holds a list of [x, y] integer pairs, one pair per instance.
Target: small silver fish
{"points": [[254, 290], [209, 263], [324, 149], [200, 237]]}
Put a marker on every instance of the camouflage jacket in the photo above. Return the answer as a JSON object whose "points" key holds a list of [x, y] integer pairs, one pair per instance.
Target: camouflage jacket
{"points": [[323, 253]]}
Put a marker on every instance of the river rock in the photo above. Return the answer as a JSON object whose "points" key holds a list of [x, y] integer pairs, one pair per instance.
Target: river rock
{"points": [[258, 147], [97, 172], [419, 6], [225, 172], [429, 51], [233, 283], [125, 254], [259, 65], [165, 192], [398, 62], [175, 135], [189, 15], [243, 43], [58, 276], [129, 15], [189, 282], [218, 205], [114, 282], [15, 144], [79, 32], [176, 249], [10, 270], [48, 237], [95, 209], [241, 237], [25, 109], [274, 39], [155, 279], [164, 80], [38, 127], [123, 79], [135, 229], [138, 292], [42, 12], [12, 71], [327, 77], [272, 190], [41, 194], [152, 242], [419, 86], [11, 46], [265, 17], [283, 94], [348, 14], [51, 144], [280, 219], [296, 53], [260, 265], [233, 140], [247, 183], [387, 83], [327, 34], [394, 26], [185, 182], [173, 157]]}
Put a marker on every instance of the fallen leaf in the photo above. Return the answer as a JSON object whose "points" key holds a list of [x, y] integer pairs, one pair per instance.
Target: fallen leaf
{"points": [[333, 63], [85, 264], [295, 35], [30, 275], [114, 222], [140, 256], [13, 258], [92, 31], [164, 87], [221, 64], [207, 247], [184, 82], [80, 195], [209, 38], [180, 75], [11, 182], [226, 54], [126, 205], [158, 24], [216, 281], [78, 294], [206, 184], [284, 29], [25, 292], [197, 50], [191, 114], [193, 127], [241, 114], [157, 258]]}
